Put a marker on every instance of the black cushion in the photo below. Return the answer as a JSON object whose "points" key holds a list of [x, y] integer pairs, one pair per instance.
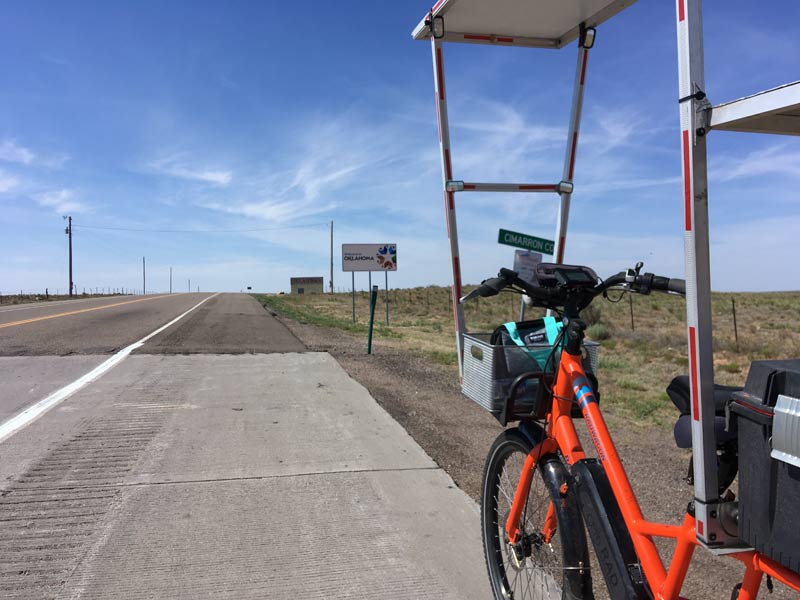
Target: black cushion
{"points": [[678, 392], [683, 431]]}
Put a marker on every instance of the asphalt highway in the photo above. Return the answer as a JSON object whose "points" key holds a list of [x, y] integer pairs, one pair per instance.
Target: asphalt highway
{"points": [[188, 446], [92, 326]]}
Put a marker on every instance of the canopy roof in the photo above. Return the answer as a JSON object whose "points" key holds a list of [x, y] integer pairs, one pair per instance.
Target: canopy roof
{"points": [[539, 23], [774, 111]]}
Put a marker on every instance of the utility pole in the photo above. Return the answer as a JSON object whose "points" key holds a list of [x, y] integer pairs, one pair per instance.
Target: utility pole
{"points": [[144, 279], [68, 231], [189, 287], [331, 257], [170, 280]]}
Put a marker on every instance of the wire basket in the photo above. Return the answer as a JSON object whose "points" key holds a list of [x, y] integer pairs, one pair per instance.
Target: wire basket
{"points": [[490, 370]]}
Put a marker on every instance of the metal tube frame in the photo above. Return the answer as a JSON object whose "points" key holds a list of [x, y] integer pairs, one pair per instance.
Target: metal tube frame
{"points": [[449, 197], [450, 186], [572, 150], [694, 126]]}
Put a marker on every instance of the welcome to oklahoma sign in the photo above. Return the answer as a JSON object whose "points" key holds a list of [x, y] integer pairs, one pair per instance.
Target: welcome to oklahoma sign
{"points": [[369, 257]]}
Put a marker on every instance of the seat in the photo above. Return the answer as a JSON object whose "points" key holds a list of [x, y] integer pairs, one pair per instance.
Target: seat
{"points": [[679, 392]]}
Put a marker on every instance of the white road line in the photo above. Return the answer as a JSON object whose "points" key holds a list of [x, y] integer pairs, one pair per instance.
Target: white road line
{"points": [[31, 413]]}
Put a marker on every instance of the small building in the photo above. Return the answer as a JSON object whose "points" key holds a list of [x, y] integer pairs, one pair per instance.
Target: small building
{"points": [[306, 285]]}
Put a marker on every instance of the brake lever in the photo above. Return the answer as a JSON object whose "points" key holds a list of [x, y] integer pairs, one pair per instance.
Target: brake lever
{"points": [[466, 298]]}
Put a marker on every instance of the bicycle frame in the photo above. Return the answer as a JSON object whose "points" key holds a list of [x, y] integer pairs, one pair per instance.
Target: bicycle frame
{"points": [[562, 436]]}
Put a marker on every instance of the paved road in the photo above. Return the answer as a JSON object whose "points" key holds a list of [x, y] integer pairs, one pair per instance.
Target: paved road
{"points": [[96, 326], [191, 471]]}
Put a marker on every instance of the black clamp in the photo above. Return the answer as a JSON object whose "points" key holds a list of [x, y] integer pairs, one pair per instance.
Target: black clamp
{"points": [[698, 95]]}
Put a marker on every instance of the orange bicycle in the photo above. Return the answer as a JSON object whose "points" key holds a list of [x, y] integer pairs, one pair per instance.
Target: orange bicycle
{"points": [[540, 491]]}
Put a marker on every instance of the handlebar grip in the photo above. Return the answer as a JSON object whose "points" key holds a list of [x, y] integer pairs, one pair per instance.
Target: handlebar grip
{"points": [[665, 284], [677, 286]]}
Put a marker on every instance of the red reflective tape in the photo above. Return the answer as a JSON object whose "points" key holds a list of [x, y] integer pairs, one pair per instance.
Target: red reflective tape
{"points": [[583, 68], [472, 36], [687, 183], [440, 72], [693, 374], [447, 203], [451, 203], [536, 187], [437, 5], [572, 155], [681, 17], [700, 527], [438, 118], [447, 168], [506, 40], [457, 278], [560, 257], [469, 186]]}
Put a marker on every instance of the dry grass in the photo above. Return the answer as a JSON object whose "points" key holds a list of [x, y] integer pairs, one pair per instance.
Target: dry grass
{"points": [[10, 299], [635, 365]]}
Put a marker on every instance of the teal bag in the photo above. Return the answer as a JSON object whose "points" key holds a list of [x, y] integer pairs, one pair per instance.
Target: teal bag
{"points": [[539, 356]]}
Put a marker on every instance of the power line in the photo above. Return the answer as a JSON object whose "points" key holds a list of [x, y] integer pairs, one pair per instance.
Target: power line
{"points": [[201, 230]]}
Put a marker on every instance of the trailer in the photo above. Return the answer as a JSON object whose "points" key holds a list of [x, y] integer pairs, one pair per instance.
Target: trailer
{"points": [[556, 24]]}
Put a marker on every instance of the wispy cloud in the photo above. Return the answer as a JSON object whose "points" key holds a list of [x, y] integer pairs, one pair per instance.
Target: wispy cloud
{"points": [[10, 151], [778, 159], [61, 201], [273, 211], [7, 182], [341, 154], [178, 166]]}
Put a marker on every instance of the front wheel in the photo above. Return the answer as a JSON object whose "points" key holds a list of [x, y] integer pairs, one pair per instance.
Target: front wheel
{"points": [[544, 563]]}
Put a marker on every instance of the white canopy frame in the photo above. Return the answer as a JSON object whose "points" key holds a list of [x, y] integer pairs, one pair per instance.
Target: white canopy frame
{"points": [[554, 24], [435, 27]]}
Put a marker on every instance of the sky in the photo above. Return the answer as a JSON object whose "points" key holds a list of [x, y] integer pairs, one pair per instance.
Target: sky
{"points": [[220, 139]]}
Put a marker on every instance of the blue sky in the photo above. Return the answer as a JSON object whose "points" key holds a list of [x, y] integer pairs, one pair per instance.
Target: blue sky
{"points": [[277, 117]]}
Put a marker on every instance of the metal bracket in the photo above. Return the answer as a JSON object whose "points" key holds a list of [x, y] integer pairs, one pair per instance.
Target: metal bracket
{"points": [[454, 186], [702, 111], [587, 36], [436, 26], [565, 187]]}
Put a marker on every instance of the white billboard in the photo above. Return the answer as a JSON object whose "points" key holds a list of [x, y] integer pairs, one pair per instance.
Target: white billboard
{"points": [[369, 257]]}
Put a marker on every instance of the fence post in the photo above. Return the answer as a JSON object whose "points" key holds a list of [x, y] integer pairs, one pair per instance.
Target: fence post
{"points": [[630, 298], [735, 328]]}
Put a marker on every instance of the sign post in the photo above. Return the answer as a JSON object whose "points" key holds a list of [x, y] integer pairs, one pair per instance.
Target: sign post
{"points": [[369, 257], [373, 300], [525, 260], [525, 263]]}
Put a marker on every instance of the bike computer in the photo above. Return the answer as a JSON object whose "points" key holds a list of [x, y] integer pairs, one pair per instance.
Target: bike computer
{"points": [[555, 275]]}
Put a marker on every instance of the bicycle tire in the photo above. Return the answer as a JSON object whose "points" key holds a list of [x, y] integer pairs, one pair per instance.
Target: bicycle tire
{"points": [[554, 570]]}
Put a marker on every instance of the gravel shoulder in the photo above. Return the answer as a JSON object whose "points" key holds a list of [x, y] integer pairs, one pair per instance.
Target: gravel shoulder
{"points": [[424, 397]]}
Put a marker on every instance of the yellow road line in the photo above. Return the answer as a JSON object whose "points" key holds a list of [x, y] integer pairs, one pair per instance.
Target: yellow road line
{"points": [[75, 312]]}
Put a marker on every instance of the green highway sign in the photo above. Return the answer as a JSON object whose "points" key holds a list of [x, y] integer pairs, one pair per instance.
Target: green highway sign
{"points": [[527, 242]]}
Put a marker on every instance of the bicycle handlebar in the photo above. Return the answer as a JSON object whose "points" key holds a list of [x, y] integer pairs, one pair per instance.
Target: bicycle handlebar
{"points": [[549, 296]]}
